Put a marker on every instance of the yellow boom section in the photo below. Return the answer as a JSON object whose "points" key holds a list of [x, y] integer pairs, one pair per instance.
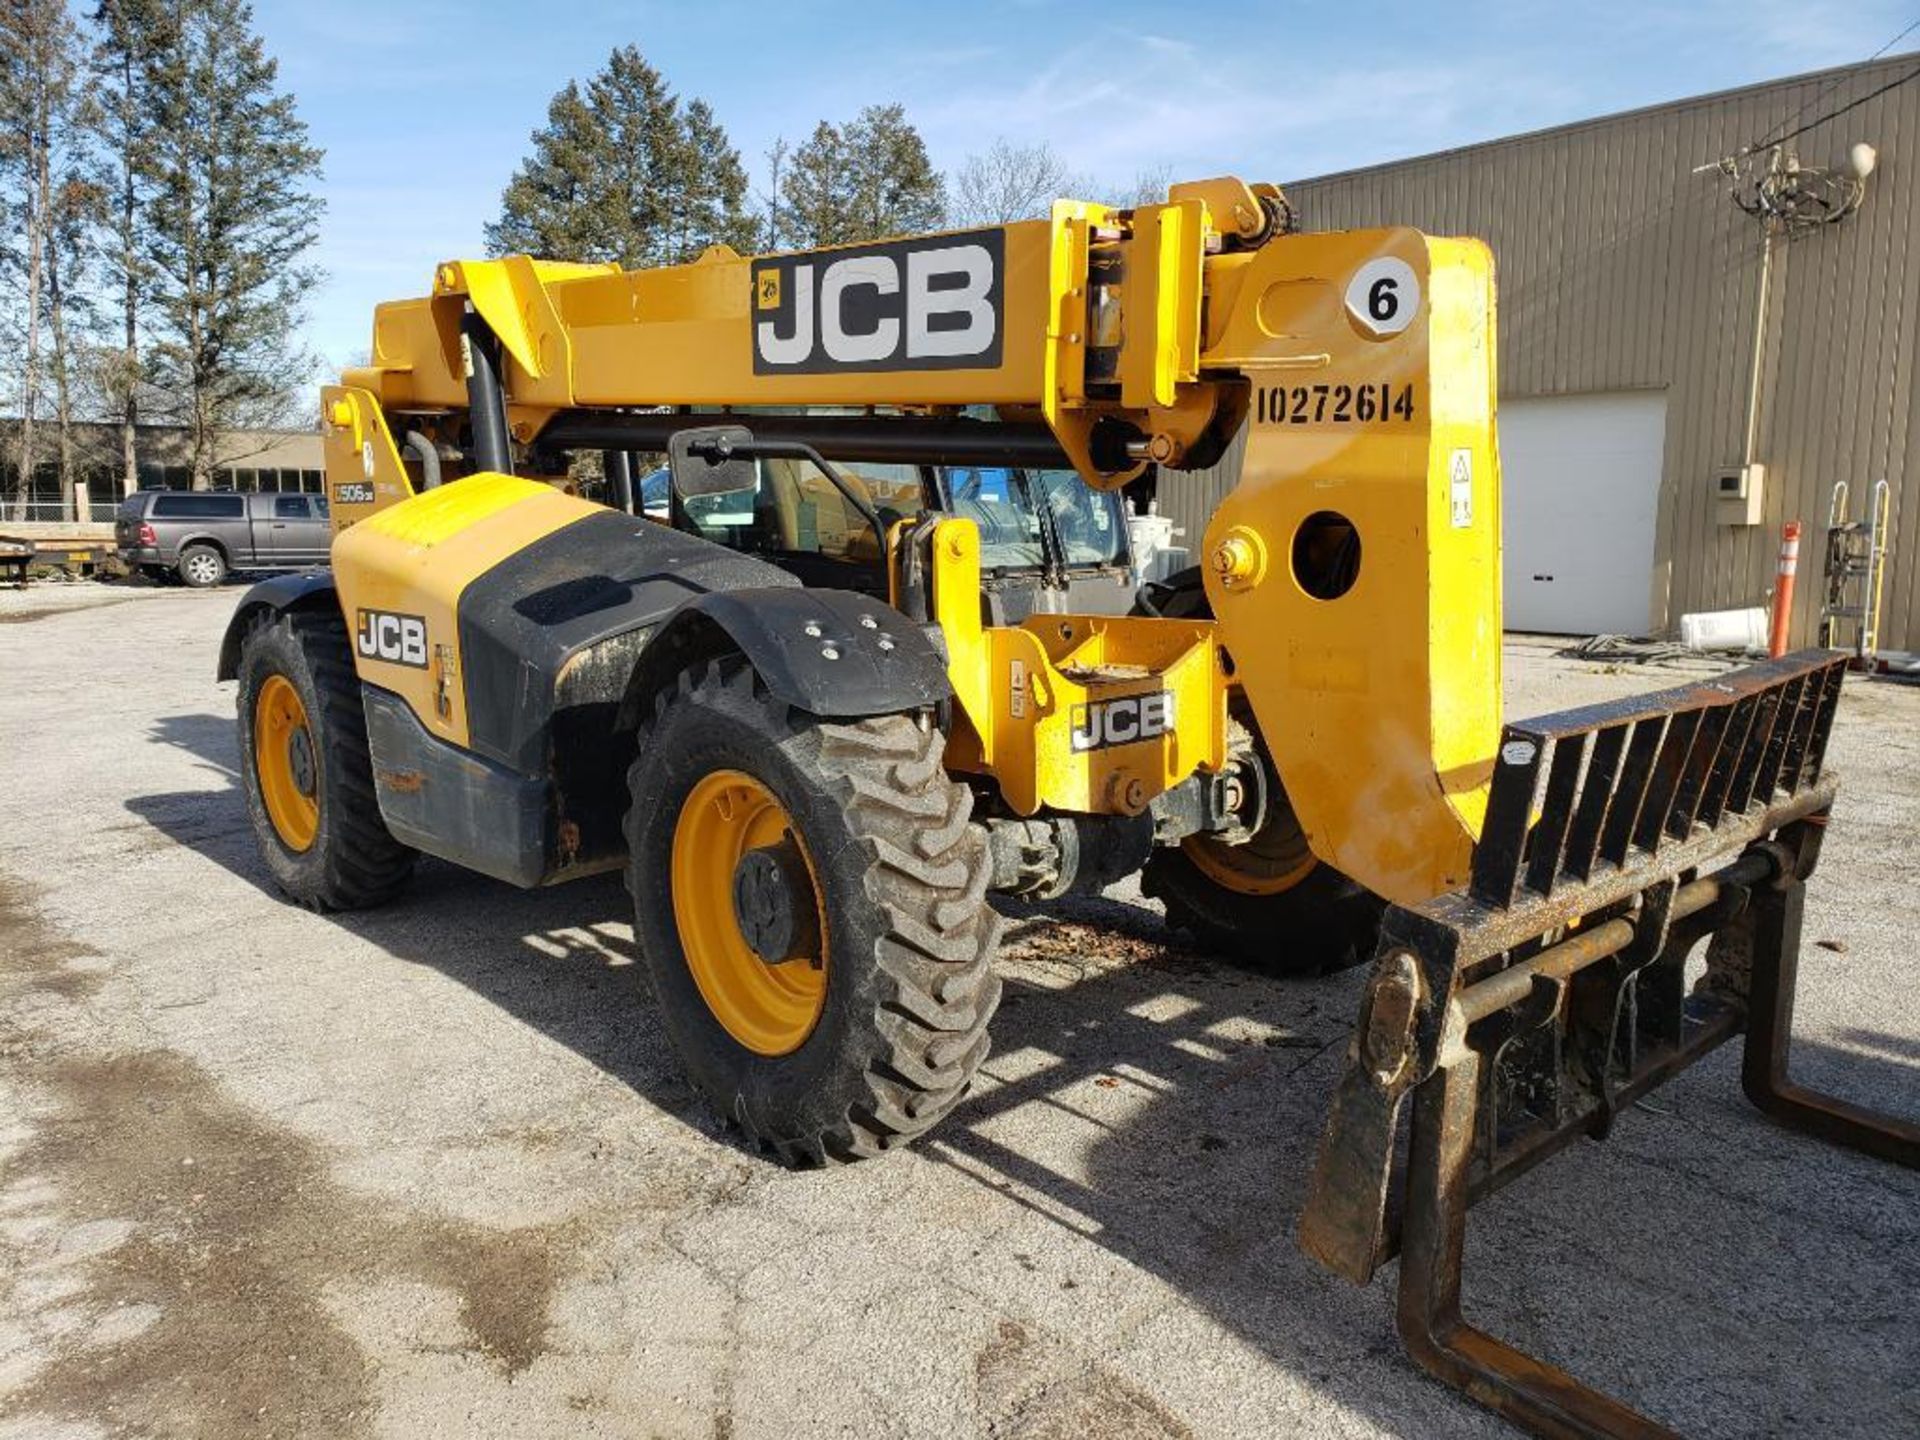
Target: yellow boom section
{"points": [[1353, 572], [1355, 569]]}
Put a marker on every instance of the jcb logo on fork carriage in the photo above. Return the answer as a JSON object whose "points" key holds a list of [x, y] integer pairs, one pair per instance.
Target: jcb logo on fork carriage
{"points": [[929, 304], [397, 639]]}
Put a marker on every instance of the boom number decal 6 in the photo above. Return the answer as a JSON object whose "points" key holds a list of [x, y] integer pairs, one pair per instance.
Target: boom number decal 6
{"points": [[1383, 296]]}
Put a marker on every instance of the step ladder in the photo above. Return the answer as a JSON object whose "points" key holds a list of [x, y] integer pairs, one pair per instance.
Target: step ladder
{"points": [[1855, 573]]}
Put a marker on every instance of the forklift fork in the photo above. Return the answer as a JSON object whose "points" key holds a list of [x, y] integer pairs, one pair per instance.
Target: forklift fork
{"points": [[1534, 1007]]}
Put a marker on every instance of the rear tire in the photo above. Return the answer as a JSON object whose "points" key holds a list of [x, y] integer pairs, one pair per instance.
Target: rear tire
{"points": [[301, 664], [202, 567], [899, 878]]}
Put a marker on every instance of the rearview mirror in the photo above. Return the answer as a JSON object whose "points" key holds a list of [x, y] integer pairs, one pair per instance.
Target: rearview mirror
{"points": [[712, 460]]}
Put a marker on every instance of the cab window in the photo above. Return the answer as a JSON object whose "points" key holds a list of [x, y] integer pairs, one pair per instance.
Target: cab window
{"points": [[795, 510], [1091, 523], [893, 490], [995, 500]]}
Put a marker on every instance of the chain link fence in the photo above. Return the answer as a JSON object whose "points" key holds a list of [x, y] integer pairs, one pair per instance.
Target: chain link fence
{"points": [[58, 512]]}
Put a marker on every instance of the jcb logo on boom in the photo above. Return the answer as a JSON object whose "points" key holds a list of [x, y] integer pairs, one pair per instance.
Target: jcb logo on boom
{"points": [[396, 639], [1124, 721], [932, 304]]}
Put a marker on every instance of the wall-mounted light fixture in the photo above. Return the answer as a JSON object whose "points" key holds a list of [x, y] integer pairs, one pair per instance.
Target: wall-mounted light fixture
{"points": [[1789, 199], [1793, 197]]}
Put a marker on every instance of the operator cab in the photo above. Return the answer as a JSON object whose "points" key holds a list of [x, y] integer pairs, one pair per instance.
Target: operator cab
{"points": [[1049, 543]]}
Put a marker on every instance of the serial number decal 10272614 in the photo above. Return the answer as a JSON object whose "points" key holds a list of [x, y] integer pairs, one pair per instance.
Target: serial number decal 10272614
{"points": [[1330, 404]]}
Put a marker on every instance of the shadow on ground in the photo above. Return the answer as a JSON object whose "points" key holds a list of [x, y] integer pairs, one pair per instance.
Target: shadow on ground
{"points": [[1717, 1272]]}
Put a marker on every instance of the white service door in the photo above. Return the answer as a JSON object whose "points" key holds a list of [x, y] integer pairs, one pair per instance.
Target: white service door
{"points": [[1579, 479]]}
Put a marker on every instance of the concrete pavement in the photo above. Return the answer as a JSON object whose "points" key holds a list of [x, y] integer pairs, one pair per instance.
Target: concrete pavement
{"points": [[432, 1171]]}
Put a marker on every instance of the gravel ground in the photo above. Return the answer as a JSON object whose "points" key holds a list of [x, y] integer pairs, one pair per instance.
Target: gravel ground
{"points": [[431, 1171]]}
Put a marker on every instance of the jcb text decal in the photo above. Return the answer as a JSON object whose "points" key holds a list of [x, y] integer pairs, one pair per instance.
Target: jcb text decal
{"points": [[1125, 721], [931, 304], [396, 639]]}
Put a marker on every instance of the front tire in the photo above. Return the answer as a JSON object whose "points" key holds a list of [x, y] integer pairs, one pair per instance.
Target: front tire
{"points": [[306, 769], [869, 1027]]}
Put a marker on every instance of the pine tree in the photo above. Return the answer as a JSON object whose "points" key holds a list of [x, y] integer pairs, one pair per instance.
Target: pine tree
{"points": [[621, 171], [716, 198], [133, 37], [864, 180], [818, 191], [549, 207], [231, 217], [899, 192]]}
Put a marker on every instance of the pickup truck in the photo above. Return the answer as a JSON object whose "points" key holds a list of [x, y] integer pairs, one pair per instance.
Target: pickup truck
{"points": [[201, 536]]}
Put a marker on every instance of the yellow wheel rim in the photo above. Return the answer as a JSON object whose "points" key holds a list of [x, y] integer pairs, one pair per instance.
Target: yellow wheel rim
{"points": [[770, 1009], [1243, 869], [286, 761]]}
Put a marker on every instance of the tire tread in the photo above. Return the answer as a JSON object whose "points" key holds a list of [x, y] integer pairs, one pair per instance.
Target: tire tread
{"points": [[927, 871]]}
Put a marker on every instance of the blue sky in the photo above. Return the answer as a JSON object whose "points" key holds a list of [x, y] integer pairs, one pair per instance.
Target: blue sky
{"points": [[424, 108]]}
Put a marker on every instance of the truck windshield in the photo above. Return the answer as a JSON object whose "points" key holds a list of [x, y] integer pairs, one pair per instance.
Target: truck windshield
{"points": [[1008, 505]]}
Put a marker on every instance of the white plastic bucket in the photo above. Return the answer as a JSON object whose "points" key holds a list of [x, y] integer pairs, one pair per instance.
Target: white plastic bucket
{"points": [[1725, 630]]}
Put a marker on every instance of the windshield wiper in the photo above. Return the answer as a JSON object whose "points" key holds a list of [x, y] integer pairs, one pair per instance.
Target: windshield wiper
{"points": [[1053, 564]]}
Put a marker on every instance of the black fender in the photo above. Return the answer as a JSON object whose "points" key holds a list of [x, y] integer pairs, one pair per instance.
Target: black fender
{"points": [[833, 653], [303, 590]]}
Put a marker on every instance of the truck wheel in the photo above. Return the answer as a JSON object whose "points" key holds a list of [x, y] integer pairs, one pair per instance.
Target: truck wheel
{"points": [[1268, 904], [810, 905], [202, 567], [306, 769]]}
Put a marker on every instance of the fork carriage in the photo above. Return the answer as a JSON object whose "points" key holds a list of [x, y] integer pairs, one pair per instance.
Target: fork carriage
{"points": [[1532, 1007]]}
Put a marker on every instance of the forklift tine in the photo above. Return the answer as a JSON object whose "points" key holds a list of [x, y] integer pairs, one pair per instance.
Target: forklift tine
{"points": [[1775, 920]]}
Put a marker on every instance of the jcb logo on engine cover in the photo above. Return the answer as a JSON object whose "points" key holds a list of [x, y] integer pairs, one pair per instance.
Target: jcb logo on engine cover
{"points": [[1125, 721], [397, 639], [931, 304]]}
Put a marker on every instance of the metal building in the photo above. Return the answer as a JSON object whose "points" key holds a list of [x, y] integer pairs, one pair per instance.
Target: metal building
{"points": [[1630, 298]]}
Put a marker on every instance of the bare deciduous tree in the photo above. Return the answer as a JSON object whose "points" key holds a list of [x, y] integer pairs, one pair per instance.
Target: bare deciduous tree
{"points": [[150, 170], [39, 63], [1011, 182], [775, 230], [75, 212], [1149, 187]]}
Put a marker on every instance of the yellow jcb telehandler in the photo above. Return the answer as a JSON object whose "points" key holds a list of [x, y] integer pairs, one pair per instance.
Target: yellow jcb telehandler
{"points": [[865, 654]]}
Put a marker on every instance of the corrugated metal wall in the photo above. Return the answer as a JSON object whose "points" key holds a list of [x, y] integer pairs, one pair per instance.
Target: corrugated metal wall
{"points": [[1620, 269]]}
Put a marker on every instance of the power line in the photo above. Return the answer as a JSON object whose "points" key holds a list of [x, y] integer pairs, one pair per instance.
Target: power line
{"points": [[1893, 42], [1894, 84], [1826, 90]]}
